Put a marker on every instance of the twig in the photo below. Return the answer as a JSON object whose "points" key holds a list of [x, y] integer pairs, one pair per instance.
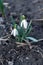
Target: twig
{"points": [[2, 25], [3, 39], [27, 43], [12, 50], [19, 43], [37, 19], [23, 44], [40, 40], [6, 36]]}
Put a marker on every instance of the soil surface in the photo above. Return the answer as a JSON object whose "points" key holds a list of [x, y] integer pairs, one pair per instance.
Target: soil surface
{"points": [[31, 8], [10, 54]]}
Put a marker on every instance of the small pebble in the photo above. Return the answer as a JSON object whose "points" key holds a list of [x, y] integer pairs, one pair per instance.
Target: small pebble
{"points": [[10, 62], [27, 58], [5, 4], [1, 19]]}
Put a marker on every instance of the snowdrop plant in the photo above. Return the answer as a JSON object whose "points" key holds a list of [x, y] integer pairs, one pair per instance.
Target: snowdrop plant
{"points": [[21, 34]]}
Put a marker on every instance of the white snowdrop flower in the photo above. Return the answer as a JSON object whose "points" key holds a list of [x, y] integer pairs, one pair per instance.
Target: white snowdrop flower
{"points": [[24, 23], [5, 4], [14, 32]]}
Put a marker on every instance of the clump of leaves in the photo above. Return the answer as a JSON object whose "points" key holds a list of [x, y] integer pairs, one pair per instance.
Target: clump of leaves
{"points": [[23, 34]]}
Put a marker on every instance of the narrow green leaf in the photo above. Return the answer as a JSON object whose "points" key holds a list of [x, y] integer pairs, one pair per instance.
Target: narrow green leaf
{"points": [[30, 23], [12, 21], [2, 7], [29, 27], [32, 39], [21, 32], [28, 32]]}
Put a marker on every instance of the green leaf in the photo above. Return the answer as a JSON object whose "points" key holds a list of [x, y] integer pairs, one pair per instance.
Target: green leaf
{"points": [[2, 7], [29, 27], [30, 23], [12, 21], [32, 39], [27, 34], [20, 18], [21, 33]]}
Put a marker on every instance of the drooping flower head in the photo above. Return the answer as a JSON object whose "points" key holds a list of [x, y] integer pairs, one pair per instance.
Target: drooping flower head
{"points": [[22, 17], [23, 22], [14, 31]]}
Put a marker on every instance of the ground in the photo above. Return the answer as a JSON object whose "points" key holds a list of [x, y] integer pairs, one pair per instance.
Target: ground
{"points": [[9, 52]]}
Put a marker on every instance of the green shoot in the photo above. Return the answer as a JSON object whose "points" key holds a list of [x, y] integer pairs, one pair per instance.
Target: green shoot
{"points": [[2, 7]]}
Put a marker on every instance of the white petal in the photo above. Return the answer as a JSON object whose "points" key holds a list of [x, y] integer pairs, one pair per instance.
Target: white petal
{"points": [[24, 23], [14, 32], [6, 4]]}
